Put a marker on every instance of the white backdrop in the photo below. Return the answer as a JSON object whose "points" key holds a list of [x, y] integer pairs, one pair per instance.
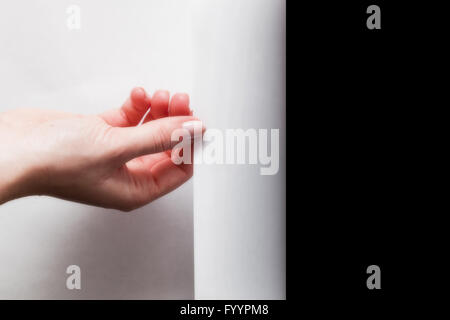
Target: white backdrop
{"points": [[239, 82], [230, 56], [144, 255]]}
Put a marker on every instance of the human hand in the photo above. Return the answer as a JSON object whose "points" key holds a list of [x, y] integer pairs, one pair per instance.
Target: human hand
{"points": [[102, 160]]}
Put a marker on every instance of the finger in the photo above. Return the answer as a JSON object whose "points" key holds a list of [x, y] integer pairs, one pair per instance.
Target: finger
{"points": [[136, 106], [168, 176], [155, 180], [131, 111], [160, 104], [148, 160], [152, 137], [179, 105]]}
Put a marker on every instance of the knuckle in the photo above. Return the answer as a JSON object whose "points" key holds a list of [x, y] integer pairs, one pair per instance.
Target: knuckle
{"points": [[125, 208], [130, 206], [132, 200]]}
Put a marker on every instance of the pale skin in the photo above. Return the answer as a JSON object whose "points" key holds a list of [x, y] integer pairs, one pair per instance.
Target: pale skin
{"points": [[102, 160]]}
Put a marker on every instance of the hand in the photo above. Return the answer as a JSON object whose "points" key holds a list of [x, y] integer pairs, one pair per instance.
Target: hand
{"points": [[102, 160]]}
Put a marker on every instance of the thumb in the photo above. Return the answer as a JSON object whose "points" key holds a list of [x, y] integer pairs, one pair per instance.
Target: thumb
{"points": [[153, 137]]}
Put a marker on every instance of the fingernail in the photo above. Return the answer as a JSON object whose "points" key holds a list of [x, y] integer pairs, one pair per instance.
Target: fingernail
{"points": [[195, 128]]}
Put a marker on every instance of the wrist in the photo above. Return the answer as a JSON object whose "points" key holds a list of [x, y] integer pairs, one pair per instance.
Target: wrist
{"points": [[18, 180], [10, 186]]}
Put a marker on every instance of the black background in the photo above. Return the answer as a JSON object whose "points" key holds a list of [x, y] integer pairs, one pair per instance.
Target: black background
{"points": [[362, 100]]}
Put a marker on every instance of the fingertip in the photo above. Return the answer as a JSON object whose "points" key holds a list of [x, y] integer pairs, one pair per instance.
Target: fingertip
{"points": [[162, 91], [179, 105], [138, 94], [160, 104], [161, 95], [181, 97]]}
